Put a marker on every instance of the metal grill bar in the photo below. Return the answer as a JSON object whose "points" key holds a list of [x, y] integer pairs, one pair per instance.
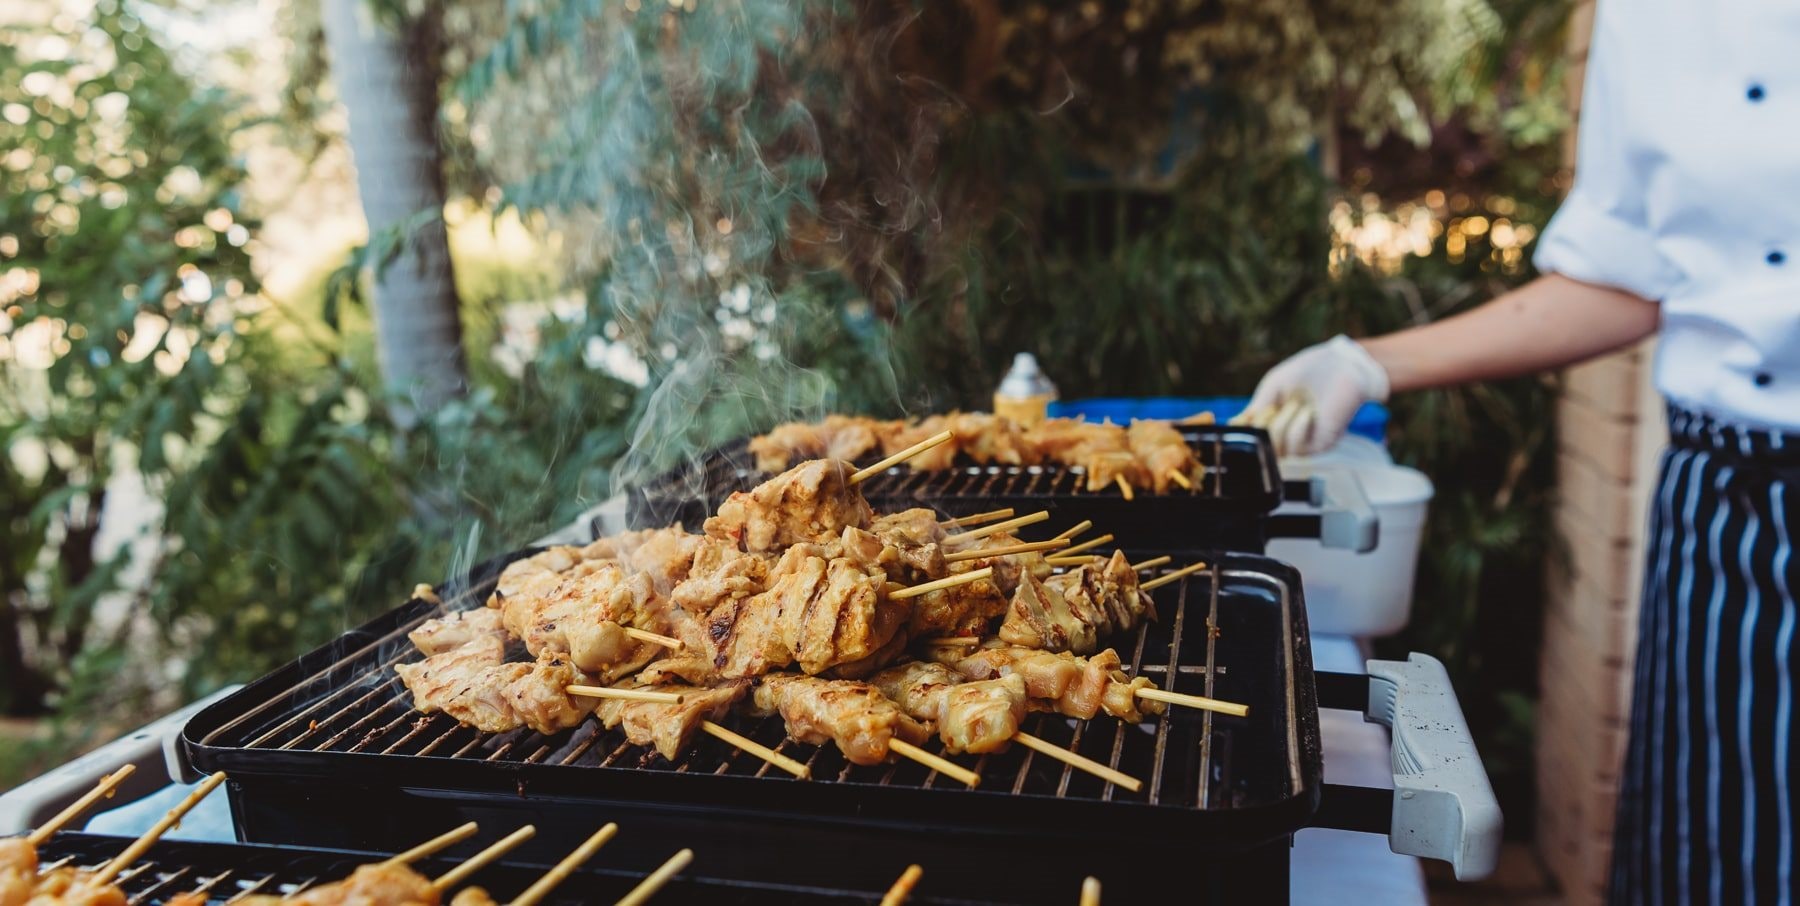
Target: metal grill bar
{"points": [[1206, 727]]}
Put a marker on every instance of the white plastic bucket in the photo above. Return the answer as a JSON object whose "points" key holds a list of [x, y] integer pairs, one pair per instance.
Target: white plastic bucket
{"points": [[1369, 594]]}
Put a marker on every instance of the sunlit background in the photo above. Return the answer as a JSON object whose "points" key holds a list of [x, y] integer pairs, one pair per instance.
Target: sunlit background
{"points": [[669, 223]]}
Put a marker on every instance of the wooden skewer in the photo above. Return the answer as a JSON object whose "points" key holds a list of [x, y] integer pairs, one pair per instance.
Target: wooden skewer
{"points": [[1180, 479], [902, 888], [1076, 529], [1166, 578], [981, 552], [561, 871], [861, 475], [642, 635], [1153, 561], [631, 695], [442, 841], [1086, 545], [758, 749], [999, 527], [1090, 891], [1124, 487], [1194, 701], [937, 584], [648, 887], [480, 860], [1079, 762], [977, 518], [943, 766], [1076, 560], [954, 640], [137, 848], [101, 790]]}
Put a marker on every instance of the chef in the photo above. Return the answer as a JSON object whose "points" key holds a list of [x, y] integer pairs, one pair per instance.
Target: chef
{"points": [[1684, 222]]}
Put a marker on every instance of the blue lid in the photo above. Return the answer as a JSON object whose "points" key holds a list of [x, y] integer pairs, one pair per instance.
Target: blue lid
{"points": [[1370, 422]]}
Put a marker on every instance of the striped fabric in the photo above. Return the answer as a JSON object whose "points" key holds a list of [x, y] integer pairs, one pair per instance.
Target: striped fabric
{"points": [[1706, 809]]}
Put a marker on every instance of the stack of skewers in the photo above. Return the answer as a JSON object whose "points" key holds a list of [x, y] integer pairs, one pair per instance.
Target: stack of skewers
{"points": [[870, 632]]}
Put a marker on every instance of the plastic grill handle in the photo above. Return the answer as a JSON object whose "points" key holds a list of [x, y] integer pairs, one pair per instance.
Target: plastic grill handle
{"points": [[1346, 520], [1444, 807]]}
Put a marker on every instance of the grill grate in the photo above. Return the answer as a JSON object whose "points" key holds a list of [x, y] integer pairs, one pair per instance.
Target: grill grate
{"points": [[1239, 486], [372, 713]]}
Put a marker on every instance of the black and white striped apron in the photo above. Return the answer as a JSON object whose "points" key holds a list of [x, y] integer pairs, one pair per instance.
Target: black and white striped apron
{"points": [[1708, 794]]}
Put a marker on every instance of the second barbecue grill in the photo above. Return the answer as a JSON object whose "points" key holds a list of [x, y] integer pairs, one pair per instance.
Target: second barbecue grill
{"points": [[1231, 507]]}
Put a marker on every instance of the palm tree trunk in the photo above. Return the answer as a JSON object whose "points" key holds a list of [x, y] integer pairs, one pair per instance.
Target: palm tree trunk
{"points": [[388, 81]]}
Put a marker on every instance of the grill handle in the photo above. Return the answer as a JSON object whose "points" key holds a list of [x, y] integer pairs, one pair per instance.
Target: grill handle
{"points": [[1345, 519], [1442, 806]]}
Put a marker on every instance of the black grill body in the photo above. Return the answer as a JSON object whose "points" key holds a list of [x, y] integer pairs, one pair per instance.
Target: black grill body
{"points": [[227, 870], [326, 751], [1229, 509]]}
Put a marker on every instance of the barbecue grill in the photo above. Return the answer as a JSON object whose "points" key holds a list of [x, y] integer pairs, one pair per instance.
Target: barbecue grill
{"points": [[226, 871], [326, 751], [1231, 506]]}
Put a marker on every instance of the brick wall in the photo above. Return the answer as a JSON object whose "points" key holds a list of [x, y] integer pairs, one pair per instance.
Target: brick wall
{"points": [[1610, 425]]}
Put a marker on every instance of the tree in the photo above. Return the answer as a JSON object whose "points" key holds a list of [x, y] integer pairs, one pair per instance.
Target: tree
{"points": [[387, 79]]}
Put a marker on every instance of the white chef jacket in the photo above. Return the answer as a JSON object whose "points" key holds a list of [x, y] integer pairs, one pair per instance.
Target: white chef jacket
{"points": [[1687, 191]]}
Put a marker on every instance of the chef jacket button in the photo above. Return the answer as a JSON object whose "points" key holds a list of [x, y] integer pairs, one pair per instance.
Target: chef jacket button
{"points": [[1764, 379], [1775, 257], [1755, 93]]}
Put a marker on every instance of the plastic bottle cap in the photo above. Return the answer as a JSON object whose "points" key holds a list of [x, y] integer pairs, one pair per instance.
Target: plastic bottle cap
{"points": [[1025, 379]]}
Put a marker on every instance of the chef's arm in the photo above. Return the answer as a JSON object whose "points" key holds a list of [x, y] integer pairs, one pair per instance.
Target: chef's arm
{"points": [[1549, 323]]}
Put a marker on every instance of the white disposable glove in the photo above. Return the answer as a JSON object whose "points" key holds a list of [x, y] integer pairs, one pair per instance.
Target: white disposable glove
{"points": [[1307, 401]]}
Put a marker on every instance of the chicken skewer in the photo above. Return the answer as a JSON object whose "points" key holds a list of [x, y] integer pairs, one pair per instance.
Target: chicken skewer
{"points": [[138, 847], [648, 887], [19, 878], [392, 882], [864, 724], [979, 716], [562, 869]]}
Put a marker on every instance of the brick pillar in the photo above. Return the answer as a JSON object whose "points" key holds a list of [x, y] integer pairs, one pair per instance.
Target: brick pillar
{"points": [[1610, 429]]}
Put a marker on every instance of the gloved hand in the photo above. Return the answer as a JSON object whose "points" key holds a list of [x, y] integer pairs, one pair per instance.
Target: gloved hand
{"points": [[1307, 401]]}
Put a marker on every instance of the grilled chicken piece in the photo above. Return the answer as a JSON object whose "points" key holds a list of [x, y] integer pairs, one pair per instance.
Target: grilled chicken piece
{"points": [[720, 572], [961, 610], [1040, 616], [473, 684], [473, 896], [670, 727], [915, 528], [17, 854], [67, 887], [533, 571], [971, 716], [1074, 610], [451, 632], [854, 715], [988, 438], [818, 612], [374, 884], [1069, 685], [583, 618], [837, 437], [1163, 452], [897, 436], [811, 502]]}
